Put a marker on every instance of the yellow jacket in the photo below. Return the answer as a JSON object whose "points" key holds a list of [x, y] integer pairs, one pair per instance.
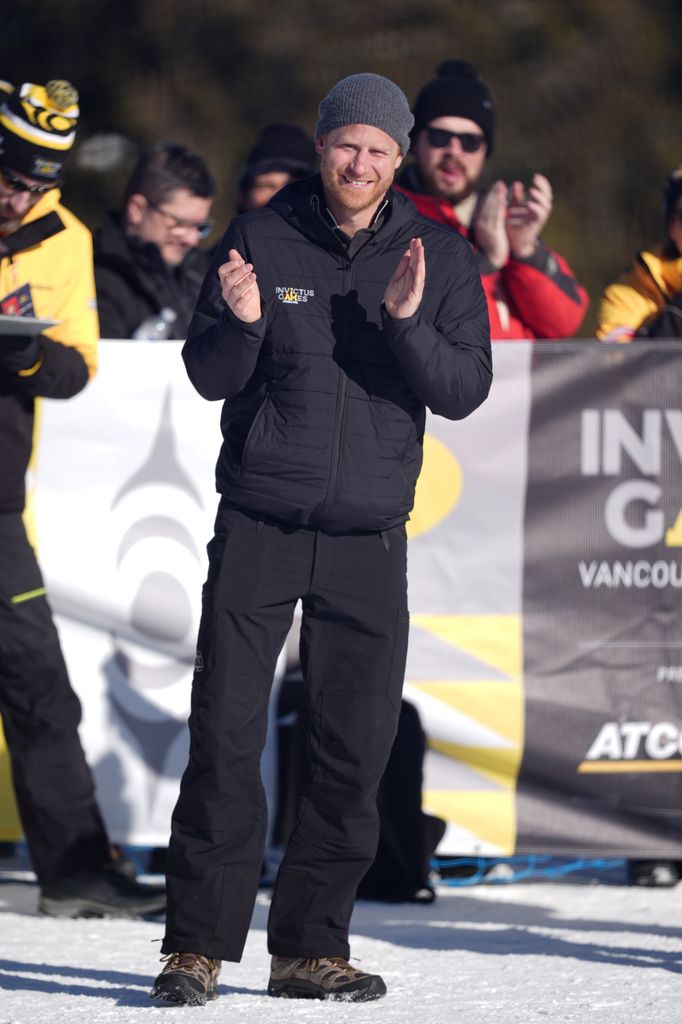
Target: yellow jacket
{"points": [[638, 296], [51, 253], [60, 273]]}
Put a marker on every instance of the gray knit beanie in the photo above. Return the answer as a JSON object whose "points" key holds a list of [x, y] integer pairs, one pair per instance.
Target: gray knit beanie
{"points": [[367, 99]]}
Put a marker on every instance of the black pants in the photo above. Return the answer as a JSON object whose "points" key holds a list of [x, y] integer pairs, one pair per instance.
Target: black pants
{"points": [[40, 715], [353, 645]]}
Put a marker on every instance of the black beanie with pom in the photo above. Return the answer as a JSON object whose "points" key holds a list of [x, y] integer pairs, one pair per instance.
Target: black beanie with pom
{"points": [[457, 91]]}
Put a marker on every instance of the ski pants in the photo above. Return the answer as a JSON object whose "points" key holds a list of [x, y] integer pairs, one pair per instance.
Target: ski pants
{"points": [[40, 715], [353, 592]]}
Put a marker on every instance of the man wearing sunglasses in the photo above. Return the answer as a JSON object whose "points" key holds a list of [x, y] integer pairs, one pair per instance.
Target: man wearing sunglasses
{"points": [[45, 273], [147, 258], [531, 290]]}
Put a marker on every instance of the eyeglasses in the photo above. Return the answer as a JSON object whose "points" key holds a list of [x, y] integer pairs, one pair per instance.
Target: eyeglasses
{"points": [[202, 227], [17, 185], [439, 138]]}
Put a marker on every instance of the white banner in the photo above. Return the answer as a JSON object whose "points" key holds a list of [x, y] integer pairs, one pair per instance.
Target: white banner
{"points": [[125, 503]]}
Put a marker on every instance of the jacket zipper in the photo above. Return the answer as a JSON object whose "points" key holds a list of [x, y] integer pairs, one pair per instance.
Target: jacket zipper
{"points": [[339, 418]]}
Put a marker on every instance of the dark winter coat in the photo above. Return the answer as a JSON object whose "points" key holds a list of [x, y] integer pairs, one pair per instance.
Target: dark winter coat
{"points": [[133, 282], [325, 395]]}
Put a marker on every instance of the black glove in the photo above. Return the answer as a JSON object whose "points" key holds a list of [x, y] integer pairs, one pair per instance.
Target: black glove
{"points": [[668, 323], [18, 352]]}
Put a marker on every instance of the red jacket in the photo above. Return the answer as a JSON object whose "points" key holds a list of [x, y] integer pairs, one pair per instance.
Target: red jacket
{"points": [[533, 298]]}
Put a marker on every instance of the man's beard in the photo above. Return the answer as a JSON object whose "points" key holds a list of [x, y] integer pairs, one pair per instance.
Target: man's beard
{"points": [[355, 200], [452, 191]]}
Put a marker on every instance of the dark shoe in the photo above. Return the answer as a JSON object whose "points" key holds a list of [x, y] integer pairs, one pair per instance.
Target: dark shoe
{"points": [[105, 893], [189, 979], [327, 977], [658, 874]]}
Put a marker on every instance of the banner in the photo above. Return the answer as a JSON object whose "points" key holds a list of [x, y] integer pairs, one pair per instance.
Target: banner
{"points": [[124, 502], [545, 654], [602, 603], [465, 570]]}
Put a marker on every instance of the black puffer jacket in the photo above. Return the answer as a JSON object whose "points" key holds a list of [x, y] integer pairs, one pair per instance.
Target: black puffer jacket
{"points": [[325, 395], [134, 283]]}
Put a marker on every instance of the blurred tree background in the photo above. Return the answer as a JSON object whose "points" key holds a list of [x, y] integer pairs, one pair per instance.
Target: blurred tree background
{"points": [[589, 92]]}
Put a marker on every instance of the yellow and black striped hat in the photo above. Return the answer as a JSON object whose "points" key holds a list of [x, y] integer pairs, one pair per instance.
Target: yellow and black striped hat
{"points": [[37, 127]]}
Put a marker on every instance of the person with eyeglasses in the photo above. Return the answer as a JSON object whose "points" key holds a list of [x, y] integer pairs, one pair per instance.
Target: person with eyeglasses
{"points": [[148, 262], [531, 291], [46, 275], [646, 300]]}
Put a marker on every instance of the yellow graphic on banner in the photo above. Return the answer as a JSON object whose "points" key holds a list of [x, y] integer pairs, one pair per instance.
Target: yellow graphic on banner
{"points": [[493, 639], [621, 767], [673, 536], [438, 487], [497, 705], [490, 816]]}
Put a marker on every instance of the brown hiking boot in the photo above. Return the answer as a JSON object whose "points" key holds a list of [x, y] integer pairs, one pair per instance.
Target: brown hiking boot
{"points": [[187, 978], [325, 977]]}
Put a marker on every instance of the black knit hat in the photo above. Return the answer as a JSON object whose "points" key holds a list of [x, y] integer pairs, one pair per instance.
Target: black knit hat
{"points": [[37, 127], [282, 147], [457, 91]]}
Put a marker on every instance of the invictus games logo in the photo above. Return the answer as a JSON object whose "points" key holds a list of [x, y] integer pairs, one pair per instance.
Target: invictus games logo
{"points": [[633, 512], [292, 296]]}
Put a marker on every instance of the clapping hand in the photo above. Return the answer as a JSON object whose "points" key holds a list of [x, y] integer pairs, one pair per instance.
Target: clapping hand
{"points": [[527, 215], [490, 225], [240, 288], [405, 289]]}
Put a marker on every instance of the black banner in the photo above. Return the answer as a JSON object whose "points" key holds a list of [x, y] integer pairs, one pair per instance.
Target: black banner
{"points": [[602, 596]]}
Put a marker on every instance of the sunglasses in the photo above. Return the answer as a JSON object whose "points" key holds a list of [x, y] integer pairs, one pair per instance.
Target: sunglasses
{"points": [[202, 227], [17, 185], [439, 138]]}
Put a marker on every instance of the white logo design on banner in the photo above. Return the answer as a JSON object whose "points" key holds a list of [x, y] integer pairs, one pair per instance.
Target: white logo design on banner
{"points": [[153, 547]]}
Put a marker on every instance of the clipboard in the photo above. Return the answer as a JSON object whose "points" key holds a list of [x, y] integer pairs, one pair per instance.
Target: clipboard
{"points": [[23, 325]]}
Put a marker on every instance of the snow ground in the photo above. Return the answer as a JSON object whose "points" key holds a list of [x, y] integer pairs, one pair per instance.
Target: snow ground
{"points": [[500, 954]]}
